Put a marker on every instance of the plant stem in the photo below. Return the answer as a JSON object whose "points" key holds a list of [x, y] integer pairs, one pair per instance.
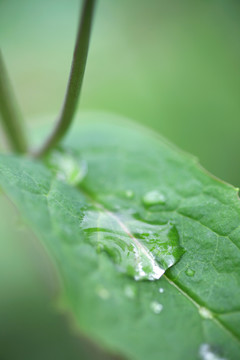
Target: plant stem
{"points": [[75, 79], [10, 112]]}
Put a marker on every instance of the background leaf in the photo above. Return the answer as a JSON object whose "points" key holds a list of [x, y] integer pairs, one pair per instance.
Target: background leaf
{"points": [[172, 66], [197, 301]]}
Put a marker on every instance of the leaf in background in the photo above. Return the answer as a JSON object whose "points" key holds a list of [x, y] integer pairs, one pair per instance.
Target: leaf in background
{"points": [[120, 204]]}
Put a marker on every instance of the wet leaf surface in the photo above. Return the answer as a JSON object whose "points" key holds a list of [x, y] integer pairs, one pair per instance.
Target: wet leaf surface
{"points": [[128, 208]]}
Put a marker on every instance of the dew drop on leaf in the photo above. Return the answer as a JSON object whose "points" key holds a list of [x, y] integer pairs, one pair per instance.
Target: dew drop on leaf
{"points": [[205, 313], [156, 307], [103, 293], [161, 290], [206, 352], [67, 166], [190, 272], [153, 197], [139, 249], [129, 194], [129, 291]]}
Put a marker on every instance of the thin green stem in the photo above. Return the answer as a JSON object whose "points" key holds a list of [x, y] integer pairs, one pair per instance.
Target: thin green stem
{"points": [[10, 112], [75, 79]]}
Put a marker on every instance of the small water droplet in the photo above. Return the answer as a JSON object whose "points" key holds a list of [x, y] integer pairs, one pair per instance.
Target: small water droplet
{"points": [[153, 198], [205, 313], [206, 352], [148, 268], [161, 290], [67, 166], [129, 194], [190, 272], [156, 307], [103, 293], [129, 291]]}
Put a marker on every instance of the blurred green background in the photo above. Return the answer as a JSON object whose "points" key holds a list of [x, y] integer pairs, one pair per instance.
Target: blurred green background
{"points": [[170, 65]]}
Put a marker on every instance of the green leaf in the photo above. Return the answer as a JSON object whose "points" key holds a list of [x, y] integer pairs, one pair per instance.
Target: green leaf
{"points": [[117, 203], [140, 249]]}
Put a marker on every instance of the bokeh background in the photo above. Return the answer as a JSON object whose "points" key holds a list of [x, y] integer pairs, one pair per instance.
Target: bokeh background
{"points": [[170, 65]]}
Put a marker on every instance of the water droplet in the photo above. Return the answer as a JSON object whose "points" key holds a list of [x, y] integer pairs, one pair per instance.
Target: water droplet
{"points": [[153, 198], [129, 291], [103, 293], [129, 194], [161, 290], [156, 307], [206, 352], [190, 272], [67, 166], [205, 313], [139, 249]]}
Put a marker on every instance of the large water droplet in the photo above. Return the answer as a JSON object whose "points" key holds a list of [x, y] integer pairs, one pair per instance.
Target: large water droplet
{"points": [[139, 249], [67, 166], [153, 197], [190, 272], [156, 307], [206, 352]]}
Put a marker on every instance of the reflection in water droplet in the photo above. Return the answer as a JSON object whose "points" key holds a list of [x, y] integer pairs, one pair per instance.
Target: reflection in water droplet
{"points": [[103, 293], [67, 166], [161, 290], [190, 272], [153, 198], [129, 291], [205, 313], [139, 249], [207, 353], [129, 194], [156, 307]]}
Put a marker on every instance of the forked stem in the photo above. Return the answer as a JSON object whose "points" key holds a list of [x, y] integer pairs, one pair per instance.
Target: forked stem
{"points": [[10, 113], [75, 79]]}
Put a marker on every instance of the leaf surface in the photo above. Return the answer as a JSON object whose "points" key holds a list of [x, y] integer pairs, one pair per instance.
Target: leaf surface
{"points": [[117, 205]]}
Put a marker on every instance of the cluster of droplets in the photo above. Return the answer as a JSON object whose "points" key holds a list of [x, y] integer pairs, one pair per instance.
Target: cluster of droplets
{"points": [[140, 249], [150, 198], [130, 292], [70, 169]]}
